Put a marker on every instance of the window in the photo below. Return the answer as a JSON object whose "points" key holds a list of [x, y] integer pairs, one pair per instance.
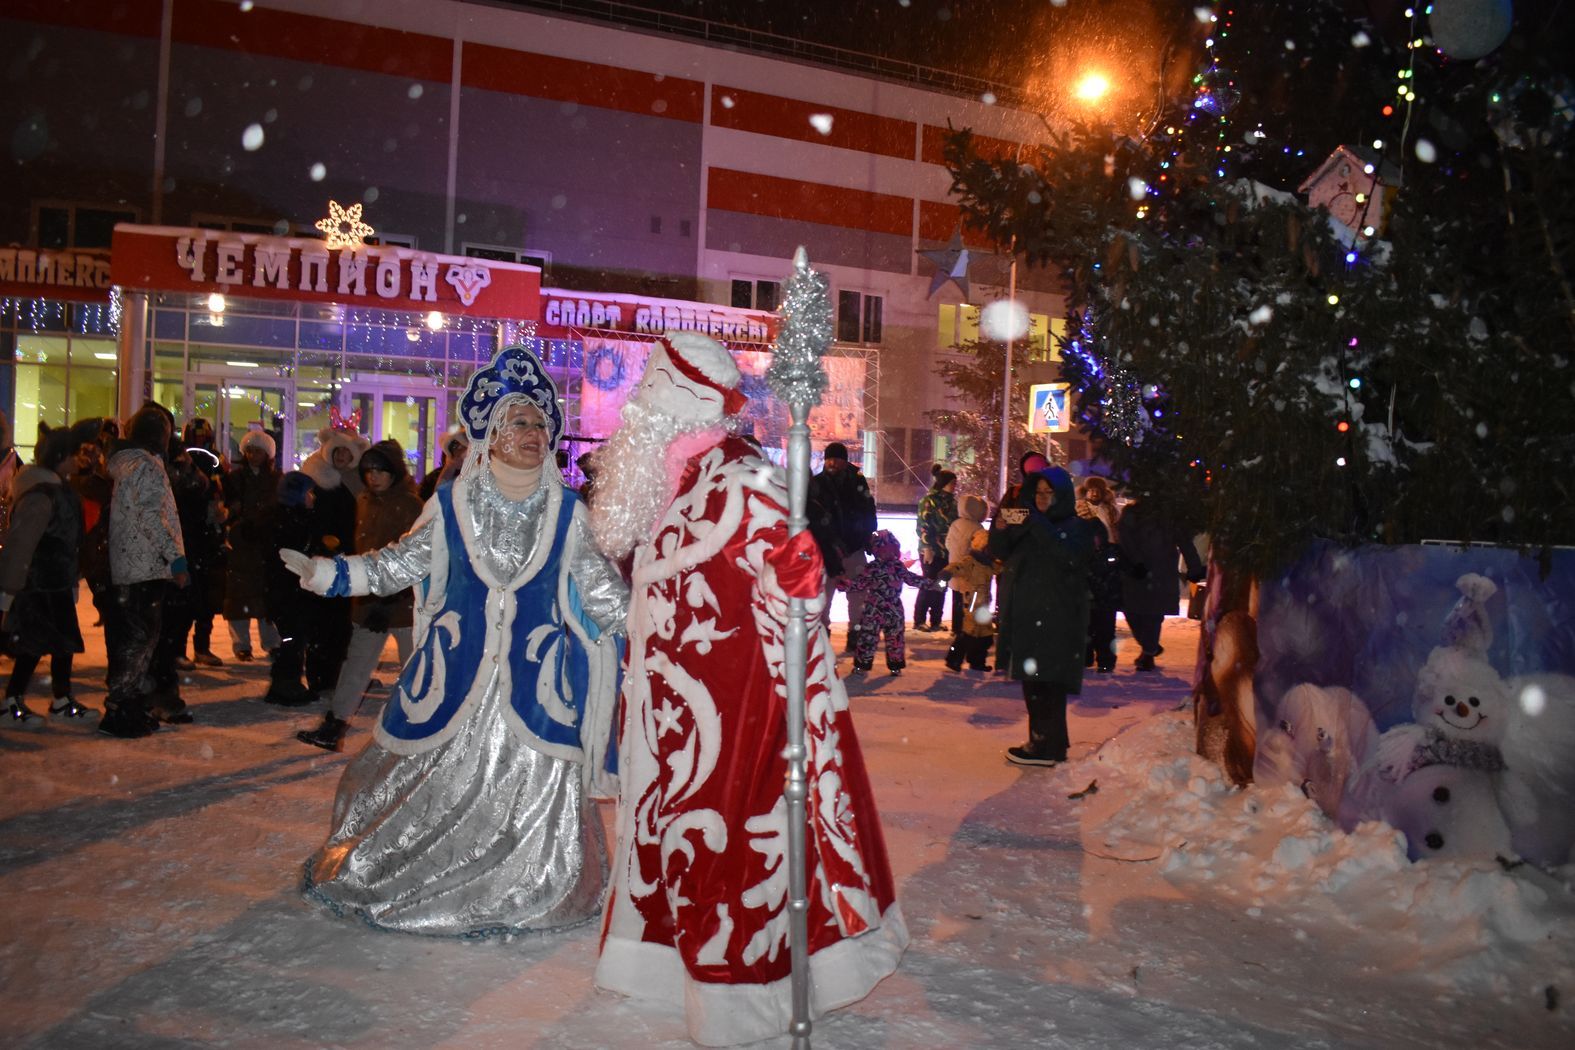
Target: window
{"points": [[61, 224], [656, 224], [959, 325], [750, 294], [499, 253], [206, 221], [685, 228], [859, 317], [393, 240], [495, 252]]}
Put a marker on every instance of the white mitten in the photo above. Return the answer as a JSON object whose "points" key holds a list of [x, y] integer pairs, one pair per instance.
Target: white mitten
{"points": [[317, 574]]}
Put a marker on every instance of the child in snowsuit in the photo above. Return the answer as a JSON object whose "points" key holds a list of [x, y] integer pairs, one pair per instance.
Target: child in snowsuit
{"points": [[971, 580], [881, 584]]}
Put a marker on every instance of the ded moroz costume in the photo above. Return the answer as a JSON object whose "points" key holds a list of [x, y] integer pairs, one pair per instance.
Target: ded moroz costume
{"points": [[699, 908], [468, 813]]}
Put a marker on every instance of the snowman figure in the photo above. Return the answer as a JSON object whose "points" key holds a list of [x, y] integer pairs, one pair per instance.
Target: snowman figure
{"points": [[1488, 768], [1444, 769]]}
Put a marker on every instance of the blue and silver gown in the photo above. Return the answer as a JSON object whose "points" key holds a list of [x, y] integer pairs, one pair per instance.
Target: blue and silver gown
{"points": [[478, 829]]}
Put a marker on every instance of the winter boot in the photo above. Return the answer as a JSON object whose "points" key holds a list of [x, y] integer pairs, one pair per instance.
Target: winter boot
{"points": [[67, 707], [1144, 662], [128, 722], [329, 735], [19, 717], [954, 656], [289, 694]]}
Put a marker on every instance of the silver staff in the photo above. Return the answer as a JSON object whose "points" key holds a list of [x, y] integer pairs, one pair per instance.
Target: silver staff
{"points": [[796, 378]]}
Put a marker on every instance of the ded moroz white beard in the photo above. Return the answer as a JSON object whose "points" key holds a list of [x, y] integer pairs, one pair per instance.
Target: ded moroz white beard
{"points": [[637, 473]]}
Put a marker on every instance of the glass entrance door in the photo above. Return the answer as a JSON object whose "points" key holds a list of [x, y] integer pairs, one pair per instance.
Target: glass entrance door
{"points": [[410, 415], [239, 403]]}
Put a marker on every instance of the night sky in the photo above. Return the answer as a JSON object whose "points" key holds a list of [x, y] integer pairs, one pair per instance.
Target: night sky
{"points": [[1026, 44]]}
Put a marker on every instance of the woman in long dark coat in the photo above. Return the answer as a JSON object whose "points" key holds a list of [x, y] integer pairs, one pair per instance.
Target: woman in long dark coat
{"points": [[1155, 543], [1048, 551]]}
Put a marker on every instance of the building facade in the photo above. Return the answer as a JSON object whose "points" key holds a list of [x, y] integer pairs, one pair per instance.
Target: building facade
{"points": [[613, 179]]}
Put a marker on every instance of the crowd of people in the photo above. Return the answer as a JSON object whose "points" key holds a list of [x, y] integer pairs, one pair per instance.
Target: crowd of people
{"points": [[1042, 582], [167, 531], [559, 645]]}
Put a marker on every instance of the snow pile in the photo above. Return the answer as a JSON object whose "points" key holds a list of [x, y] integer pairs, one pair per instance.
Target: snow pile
{"points": [[1273, 850]]}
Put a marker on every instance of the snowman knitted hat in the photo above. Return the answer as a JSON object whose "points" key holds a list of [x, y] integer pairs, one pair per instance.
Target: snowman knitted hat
{"points": [[692, 378]]}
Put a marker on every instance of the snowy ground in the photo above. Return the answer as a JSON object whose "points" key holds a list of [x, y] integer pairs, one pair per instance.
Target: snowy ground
{"points": [[153, 898]]}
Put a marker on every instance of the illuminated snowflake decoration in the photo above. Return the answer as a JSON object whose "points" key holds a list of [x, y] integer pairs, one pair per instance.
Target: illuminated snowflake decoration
{"points": [[343, 227]]}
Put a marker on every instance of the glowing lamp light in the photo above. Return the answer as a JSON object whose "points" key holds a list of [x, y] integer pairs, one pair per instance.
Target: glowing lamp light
{"points": [[1092, 87], [412, 335], [1355, 384], [1334, 300], [216, 303], [1342, 426], [1350, 257], [435, 321]]}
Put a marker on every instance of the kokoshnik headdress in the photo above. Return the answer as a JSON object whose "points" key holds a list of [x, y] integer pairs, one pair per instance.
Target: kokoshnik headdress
{"points": [[516, 370]]}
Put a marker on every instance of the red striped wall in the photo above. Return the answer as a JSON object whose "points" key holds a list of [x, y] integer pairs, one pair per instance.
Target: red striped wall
{"points": [[127, 17], [937, 222], [933, 149], [567, 80], [309, 38], [780, 198], [789, 119]]}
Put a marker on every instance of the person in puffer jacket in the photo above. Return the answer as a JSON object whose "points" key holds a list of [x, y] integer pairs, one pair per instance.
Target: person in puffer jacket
{"points": [[146, 558], [386, 509]]}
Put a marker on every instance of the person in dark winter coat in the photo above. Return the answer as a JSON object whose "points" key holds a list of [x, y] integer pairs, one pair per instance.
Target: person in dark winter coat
{"points": [[842, 519], [1098, 507], [333, 466], [1154, 543], [455, 444], [291, 525], [385, 511], [38, 575], [251, 490], [199, 497], [1048, 551], [937, 511], [146, 558]]}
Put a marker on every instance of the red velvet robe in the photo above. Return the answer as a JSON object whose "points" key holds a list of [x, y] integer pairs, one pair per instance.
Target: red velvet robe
{"points": [[698, 911]]}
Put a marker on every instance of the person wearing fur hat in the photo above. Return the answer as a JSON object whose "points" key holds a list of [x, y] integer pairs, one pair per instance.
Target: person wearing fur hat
{"points": [[970, 587], [38, 575], [334, 466], [386, 509], [469, 811], [251, 491], [693, 919], [146, 557]]}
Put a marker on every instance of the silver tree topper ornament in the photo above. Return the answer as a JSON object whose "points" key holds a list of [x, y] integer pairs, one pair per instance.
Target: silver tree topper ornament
{"points": [[796, 378]]}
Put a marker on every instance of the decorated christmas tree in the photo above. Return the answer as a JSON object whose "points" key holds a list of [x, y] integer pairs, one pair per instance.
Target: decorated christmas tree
{"points": [[1321, 290]]}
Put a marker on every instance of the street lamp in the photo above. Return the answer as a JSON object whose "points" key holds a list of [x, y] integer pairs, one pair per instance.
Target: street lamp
{"points": [[1092, 87]]}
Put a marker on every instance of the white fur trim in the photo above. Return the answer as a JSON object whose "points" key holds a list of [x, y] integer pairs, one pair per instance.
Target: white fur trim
{"points": [[727, 1014], [666, 390]]}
